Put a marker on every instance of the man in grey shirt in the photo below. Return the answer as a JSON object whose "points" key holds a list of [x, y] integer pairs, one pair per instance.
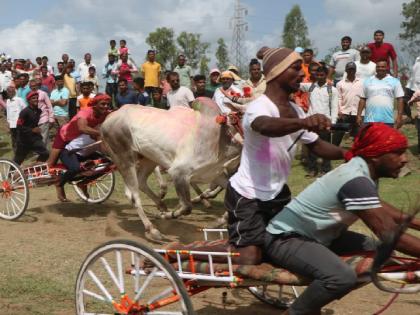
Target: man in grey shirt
{"points": [[341, 58]]}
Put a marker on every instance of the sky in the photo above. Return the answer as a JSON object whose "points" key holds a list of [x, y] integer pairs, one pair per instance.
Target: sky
{"points": [[51, 27]]}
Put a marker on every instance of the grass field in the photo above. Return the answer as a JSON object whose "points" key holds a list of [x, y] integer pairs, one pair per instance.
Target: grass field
{"points": [[42, 252]]}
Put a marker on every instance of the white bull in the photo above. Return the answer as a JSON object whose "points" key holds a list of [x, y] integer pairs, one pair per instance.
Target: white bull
{"points": [[190, 144]]}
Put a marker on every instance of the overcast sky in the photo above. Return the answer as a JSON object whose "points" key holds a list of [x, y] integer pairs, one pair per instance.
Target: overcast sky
{"points": [[50, 27]]}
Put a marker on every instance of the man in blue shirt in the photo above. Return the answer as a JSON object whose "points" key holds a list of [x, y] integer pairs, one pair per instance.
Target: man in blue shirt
{"points": [[307, 236], [124, 95], [378, 95], [23, 88], [111, 79]]}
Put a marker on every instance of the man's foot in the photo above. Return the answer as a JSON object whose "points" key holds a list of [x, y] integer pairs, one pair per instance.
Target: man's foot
{"points": [[61, 194], [84, 188]]}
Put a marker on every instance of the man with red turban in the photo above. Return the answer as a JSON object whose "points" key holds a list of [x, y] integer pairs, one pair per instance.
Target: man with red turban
{"points": [[312, 230], [84, 122]]}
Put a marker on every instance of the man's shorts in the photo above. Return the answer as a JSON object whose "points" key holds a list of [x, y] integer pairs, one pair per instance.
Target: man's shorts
{"points": [[248, 218], [59, 142]]}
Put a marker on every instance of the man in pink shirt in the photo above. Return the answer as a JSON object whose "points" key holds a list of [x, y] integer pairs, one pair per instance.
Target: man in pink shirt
{"points": [[349, 91], [47, 112], [84, 122], [383, 51], [47, 79]]}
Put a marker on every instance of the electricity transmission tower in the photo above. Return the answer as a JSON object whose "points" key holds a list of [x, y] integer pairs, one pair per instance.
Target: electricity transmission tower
{"points": [[239, 26]]}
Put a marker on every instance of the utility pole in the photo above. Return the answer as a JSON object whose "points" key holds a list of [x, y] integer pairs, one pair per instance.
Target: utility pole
{"points": [[239, 26]]}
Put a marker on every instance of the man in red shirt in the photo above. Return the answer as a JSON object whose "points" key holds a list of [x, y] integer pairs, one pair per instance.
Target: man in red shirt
{"points": [[383, 51], [47, 79]]}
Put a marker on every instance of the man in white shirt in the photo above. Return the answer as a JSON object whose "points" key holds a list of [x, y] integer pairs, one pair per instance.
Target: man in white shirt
{"points": [[178, 95], [365, 67], [323, 100], [14, 105], [272, 126], [341, 58], [5, 77], [227, 95], [413, 85], [83, 68], [349, 91]]}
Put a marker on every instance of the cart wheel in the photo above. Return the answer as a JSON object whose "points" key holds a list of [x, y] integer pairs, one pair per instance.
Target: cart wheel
{"points": [[14, 190], [125, 277], [279, 296], [99, 189]]}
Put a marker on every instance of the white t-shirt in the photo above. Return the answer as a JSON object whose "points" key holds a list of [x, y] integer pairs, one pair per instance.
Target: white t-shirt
{"points": [[181, 97], [414, 82], [266, 161], [221, 100], [341, 58], [365, 70], [14, 106]]}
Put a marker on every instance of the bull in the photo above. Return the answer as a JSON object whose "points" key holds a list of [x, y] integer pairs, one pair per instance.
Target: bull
{"points": [[189, 143]]}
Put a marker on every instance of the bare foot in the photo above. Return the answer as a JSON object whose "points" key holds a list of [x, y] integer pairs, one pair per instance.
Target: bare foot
{"points": [[61, 194]]}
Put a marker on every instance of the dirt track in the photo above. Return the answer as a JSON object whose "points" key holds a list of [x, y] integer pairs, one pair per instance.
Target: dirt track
{"points": [[41, 254]]}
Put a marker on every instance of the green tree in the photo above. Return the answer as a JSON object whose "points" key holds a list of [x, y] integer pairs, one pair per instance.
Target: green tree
{"points": [[192, 47], [222, 55], [162, 40], [204, 65], [295, 31], [410, 27]]}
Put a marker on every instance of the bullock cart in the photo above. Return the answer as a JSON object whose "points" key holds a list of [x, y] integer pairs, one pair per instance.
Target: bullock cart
{"points": [[125, 277], [15, 183]]}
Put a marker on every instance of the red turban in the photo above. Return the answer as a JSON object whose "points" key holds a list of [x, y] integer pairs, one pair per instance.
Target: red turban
{"points": [[98, 98], [30, 94], [376, 139]]}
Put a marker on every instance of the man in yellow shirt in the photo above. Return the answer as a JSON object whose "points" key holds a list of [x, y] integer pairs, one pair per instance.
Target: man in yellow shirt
{"points": [[150, 71]]}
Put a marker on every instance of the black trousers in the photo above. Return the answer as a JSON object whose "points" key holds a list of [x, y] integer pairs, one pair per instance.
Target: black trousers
{"points": [[338, 135], [312, 158], [111, 89], [72, 107], [37, 146], [71, 161]]}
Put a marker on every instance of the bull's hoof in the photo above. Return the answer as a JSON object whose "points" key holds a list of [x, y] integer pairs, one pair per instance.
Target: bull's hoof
{"points": [[163, 191], [154, 235]]}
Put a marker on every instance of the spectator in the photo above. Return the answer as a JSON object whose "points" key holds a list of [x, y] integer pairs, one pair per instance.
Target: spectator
{"points": [[378, 95], [323, 100], [200, 87], [349, 91], [92, 77], [178, 95], [308, 58], [302, 98], [109, 74], [47, 79], [72, 86], [60, 101], [23, 89], [65, 60], [164, 84], [227, 95], [14, 105], [38, 61], [124, 95], [365, 67], [5, 77], [83, 68], [60, 68], [125, 70], [74, 73], [256, 81], [86, 89], [413, 84], [45, 63], [142, 96], [123, 50], [28, 133], [238, 82], [44, 104], [157, 100], [150, 71], [383, 51], [341, 58], [213, 84], [113, 50], [184, 71]]}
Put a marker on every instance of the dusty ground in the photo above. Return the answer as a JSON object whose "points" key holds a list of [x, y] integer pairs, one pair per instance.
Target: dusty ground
{"points": [[42, 251]]}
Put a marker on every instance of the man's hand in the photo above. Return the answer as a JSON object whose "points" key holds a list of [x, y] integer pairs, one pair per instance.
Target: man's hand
{"points": [[36, 130], [359, 120], [316, 123], [398, 122]]}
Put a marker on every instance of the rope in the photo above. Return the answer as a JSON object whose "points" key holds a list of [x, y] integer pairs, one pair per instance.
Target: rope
{"points": [[389, 303]]}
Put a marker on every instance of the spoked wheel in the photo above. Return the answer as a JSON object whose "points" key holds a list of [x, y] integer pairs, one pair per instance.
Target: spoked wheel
{"points": [[114, 279], [98, 190], [279, 296], [14, 190]]}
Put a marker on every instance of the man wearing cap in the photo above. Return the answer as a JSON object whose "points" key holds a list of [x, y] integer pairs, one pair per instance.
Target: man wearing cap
{"points": [[227, 95], [272, 126], [312, 230], [365, 67], [29, 137], [349, 91], [213, 83], [341, 58]]}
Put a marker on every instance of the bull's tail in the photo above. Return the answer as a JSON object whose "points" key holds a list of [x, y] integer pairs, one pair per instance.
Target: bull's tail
{"points": [[384, 252]]}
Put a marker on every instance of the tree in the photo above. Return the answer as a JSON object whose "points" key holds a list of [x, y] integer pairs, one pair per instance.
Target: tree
{"points": [[410, 34], [295, 31], [162, 40], [204, 65], [222, 55], [192, 47]]}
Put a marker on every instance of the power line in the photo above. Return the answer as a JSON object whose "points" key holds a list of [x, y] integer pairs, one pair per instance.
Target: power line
{"points": [[240, 26]]}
